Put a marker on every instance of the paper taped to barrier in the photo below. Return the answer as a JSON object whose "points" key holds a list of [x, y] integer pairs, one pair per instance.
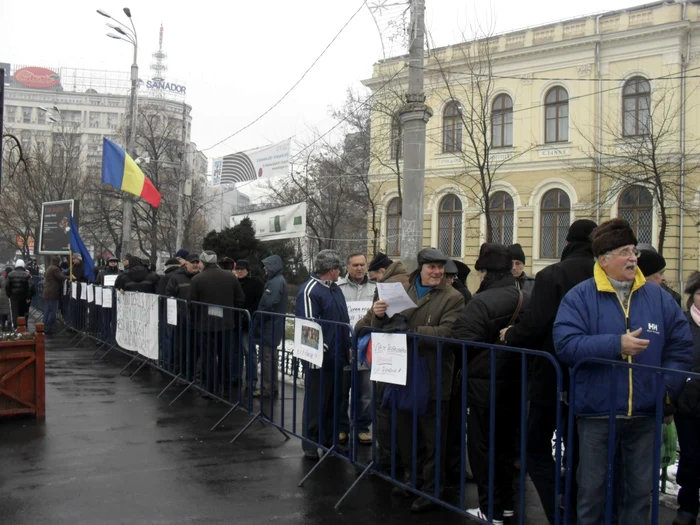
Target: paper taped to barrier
{"points": [[83, 292], [172, 312], [137, 323], [357, 310], [389, 358], [110, 280], [106, 298], [98, 295], [65, 287], [90, 293], [74, 290], [308, 341], [395, 296]]}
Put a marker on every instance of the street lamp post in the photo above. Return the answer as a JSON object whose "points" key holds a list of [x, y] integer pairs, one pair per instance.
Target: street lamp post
{"points": [[128, 35]]}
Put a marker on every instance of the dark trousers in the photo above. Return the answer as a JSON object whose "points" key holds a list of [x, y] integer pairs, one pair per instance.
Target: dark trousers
{"points": [[50, 310], [319, 407], [689, 466], [19, 309], [507, 421], [541, 424], [220, 356], [427, 446]]}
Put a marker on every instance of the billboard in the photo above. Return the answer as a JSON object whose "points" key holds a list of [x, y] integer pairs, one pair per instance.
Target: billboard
{"points": [[54, 233], [37, 77], [284, 222], [254, 164]]}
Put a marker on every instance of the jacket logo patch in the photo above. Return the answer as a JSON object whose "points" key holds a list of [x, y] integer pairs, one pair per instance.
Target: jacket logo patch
{"points": [[653, 328]]}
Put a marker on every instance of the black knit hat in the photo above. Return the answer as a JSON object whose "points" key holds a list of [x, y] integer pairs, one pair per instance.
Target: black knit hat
{"points": [[650, 262], [580, 231], [494, 257], [242, 264], [226, 263], [610, 235], [378, 262], [516, 253]]}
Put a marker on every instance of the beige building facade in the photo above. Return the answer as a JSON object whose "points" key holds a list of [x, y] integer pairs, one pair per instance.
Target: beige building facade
{"points": [[552, 121]]}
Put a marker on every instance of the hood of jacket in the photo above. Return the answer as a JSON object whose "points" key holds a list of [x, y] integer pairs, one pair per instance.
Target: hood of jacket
{"points": [[138, 273], [577, 249], [395, 269], [274, 265]]}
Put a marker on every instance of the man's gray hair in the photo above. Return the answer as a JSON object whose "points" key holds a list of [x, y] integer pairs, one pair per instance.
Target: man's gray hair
{"points": [[356, 254], [327, 260]]}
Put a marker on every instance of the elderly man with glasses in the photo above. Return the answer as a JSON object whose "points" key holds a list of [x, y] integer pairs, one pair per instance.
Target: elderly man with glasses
{"points": [[619, 316]]}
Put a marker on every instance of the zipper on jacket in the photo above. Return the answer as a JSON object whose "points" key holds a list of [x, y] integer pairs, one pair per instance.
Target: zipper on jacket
{"points": [[626, 311]]}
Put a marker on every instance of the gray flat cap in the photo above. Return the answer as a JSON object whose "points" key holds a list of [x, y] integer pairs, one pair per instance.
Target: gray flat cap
{"points": [[450, 267], [327, 260], [431, 255], [208, 257]]}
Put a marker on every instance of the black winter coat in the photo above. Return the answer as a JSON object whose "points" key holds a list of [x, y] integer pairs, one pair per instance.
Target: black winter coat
{"points": [[137, 279], [214, 286], [253, 289], [535, 329], [481, 321], [164, 279], [688, 402], [179, 284], [100, 281], [19, 285]]}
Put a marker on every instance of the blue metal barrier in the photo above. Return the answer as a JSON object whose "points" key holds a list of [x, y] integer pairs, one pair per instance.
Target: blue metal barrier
{"points": [[658, 374]]}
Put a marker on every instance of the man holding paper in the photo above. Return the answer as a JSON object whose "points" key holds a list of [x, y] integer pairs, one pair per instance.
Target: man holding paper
{"points": [[436, 307], [359, 292]]}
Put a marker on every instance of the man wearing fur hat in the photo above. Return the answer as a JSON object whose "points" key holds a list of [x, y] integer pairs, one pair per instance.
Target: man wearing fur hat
{"points": [[619, 316]]}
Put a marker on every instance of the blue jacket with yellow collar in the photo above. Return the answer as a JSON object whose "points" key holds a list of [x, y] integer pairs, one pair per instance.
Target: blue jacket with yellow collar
{"points": [[590, 323]]}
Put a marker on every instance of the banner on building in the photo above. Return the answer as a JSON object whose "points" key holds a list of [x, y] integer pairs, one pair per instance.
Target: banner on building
{"points": [[273, 224], [254, 164], [54, 232], [137, 323]]}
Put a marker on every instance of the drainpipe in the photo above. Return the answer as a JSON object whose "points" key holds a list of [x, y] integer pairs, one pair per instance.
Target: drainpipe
{"points": [[684, 68], [600, 119]]}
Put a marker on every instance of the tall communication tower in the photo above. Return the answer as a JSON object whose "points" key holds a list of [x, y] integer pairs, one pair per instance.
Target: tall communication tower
{"points": [[158, 67]]}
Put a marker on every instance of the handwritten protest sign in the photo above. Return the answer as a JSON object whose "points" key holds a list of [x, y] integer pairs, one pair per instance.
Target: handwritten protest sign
{"points": [[308, 341], [137, 323], [357, 310], [389, 358]]}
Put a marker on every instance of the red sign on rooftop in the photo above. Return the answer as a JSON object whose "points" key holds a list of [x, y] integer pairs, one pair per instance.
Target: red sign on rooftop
{"points": [[37, 77]]}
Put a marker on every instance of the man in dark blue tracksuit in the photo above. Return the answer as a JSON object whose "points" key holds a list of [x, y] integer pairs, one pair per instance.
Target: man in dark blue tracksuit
{"points": [[322, 300]]}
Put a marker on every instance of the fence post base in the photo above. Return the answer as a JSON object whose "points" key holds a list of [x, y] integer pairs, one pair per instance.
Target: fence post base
{"points": [[347, 492], [129, 363], [169, 384], [145, 362], [328, 453], [108, 351], [183, 391], [234, 407]]}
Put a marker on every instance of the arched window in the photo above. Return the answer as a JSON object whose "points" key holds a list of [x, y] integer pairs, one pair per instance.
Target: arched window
{"points": [[502, 218], [556, 119], [396, 139], [636, 207], [451, 128], [450, 226], [554, 223], [502, 122], [393, 226], [636, 101]]}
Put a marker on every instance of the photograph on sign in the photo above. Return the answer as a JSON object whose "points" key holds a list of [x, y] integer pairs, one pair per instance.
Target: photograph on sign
{"points": [[273, 224], [54, 231], [389, 358], [255, 164], [308, 341]]}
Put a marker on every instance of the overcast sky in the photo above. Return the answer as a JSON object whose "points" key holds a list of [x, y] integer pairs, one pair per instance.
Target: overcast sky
{"points": [[237, 58]]}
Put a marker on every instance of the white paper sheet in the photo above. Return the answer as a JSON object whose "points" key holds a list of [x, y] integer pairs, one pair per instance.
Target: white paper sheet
{"points": [[83, 292], [90, 293], [308, 341], [110, 280], [389, 358], [172, 311], [74, 290], [106, 298], [98, 295], [357, 310], [395, 296]]}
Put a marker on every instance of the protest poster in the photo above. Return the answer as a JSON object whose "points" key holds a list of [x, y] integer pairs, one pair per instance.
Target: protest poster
{"points": [[357, 310], [172, 311], [90, 294], [137, 323], [83, 292], [74, 290], [110, 280], [106, 298], [98, 295], [389, 358], [308, 341]]}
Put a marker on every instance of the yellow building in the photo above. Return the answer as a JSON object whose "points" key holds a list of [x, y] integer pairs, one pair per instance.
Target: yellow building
{"points": [[557, 122]]}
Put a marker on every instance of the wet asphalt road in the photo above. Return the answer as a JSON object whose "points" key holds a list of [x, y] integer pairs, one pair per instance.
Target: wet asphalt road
{"points": [[112, 452]]}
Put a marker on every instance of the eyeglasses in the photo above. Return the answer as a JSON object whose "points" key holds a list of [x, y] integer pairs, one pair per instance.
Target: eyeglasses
{"points": [[627, 253]]}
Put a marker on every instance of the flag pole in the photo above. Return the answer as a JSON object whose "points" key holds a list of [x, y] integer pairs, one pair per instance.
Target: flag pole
{"points": [[70, 262]]}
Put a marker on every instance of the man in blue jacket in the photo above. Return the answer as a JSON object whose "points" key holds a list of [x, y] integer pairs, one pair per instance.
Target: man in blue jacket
{"points": [[619, 316], [321, 299]]}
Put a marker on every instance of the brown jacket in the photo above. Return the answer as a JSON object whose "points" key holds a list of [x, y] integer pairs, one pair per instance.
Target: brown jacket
{"points": [[434, 316], [395, 273], [53, 282]]}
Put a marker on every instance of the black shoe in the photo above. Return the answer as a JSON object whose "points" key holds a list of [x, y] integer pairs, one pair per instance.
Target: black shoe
{"points": [[423, 505], [399, 492], [311, 455]]}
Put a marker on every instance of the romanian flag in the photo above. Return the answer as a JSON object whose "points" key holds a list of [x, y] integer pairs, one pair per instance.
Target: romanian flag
{"points": [[120, 171]]}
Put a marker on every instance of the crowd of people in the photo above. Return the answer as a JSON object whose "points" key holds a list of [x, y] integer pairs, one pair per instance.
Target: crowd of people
{"points": [[606, 298]]}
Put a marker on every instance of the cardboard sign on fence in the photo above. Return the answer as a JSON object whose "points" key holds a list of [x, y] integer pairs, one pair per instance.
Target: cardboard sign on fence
{"points": [[389, 358], [308, 341], [137, 323]]}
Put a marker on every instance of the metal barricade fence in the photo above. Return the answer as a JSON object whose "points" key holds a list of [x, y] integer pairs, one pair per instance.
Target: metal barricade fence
{"points": [[612, 469]]}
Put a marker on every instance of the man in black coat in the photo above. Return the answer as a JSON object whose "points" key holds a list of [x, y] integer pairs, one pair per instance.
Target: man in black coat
{"points": [[215, 292], [525, 283], [20, 289], [497, 302], [535, 332], [171, 266], [112, 268], [253, 289], [180, 280], [136, 278]]}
